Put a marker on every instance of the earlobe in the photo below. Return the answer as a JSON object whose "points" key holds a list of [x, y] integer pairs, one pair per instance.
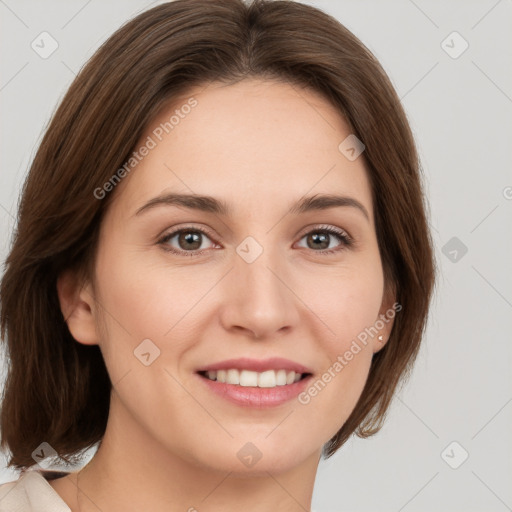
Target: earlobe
{"points": [[77, 306]]}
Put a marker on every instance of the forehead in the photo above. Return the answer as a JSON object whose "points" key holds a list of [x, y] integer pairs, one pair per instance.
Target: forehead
{"points": [[249, 142]]}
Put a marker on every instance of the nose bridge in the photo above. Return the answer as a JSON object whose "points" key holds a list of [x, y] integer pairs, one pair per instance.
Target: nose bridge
{"points": [[259, 275], [260, 300]]}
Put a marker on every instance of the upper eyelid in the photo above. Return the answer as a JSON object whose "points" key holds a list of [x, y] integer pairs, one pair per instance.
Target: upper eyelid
{"points": [[301, 233], [320, 227], [175, 231]]}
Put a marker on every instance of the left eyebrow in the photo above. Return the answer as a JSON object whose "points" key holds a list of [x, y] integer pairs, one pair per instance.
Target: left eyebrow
{"points": [[213, 205], [325, 201]]}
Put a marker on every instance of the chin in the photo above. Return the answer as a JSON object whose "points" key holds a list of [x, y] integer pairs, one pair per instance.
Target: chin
{"points": [[259, 458]]}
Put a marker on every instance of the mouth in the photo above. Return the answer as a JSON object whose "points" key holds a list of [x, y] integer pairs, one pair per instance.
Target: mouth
{"points": [[255, 390]]}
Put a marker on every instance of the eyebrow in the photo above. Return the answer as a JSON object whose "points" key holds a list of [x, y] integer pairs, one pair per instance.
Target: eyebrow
{"points": [[210, 204]]}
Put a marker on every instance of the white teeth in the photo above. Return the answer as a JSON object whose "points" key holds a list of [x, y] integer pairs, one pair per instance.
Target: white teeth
{"points": [[267, 379], [248, 378], [233, 377], [281, 377]]}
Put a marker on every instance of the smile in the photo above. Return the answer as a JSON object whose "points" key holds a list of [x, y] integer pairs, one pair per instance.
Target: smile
{"points": [[248, 378], [257, 390]]}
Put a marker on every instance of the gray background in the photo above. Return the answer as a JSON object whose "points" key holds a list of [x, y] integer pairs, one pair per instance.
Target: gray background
{"points": [[460, 110]]}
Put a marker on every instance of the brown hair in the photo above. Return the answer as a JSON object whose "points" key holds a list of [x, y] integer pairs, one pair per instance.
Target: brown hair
{"points": [[58, 390]]}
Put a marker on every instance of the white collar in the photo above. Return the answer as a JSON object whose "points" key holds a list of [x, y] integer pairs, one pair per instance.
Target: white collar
{"points": [[31, 493]]}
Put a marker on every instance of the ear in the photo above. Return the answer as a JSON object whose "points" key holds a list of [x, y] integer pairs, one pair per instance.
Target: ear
{"points": [[384, 322], [77, 306]]}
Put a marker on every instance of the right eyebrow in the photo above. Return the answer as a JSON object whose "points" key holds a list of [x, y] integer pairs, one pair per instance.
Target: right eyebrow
{"points": [[191, 201]]}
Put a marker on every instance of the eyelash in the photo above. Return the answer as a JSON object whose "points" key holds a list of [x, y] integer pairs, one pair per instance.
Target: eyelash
{"points": [[345, 239]]}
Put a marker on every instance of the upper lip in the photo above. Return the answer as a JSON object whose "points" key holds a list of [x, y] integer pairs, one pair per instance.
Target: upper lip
{"points": [[257, 365]]}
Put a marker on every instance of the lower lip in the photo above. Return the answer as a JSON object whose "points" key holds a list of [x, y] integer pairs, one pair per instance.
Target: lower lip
{"points": [[255, 397]]}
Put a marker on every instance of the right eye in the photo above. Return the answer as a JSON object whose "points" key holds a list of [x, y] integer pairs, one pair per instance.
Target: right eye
{"points": [[190, 239]]}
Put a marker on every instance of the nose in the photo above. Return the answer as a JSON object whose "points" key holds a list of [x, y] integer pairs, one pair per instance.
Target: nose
{"points": [[259, 298]]}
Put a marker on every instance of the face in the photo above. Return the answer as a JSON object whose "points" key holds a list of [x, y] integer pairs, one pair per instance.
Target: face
{"points": [[180, 289]]}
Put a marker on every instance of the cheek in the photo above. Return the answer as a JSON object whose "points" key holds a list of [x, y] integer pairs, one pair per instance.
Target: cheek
{"points": [[347, 300], [141, 300], [147, 299], [332, 396], [333, 392], [349, 304]]}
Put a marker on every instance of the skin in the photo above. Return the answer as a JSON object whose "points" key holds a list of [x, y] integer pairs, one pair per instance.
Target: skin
{"points": [[170, 443]]}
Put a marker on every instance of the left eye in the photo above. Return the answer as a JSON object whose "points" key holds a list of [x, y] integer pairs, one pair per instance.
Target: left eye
{"points": [[318, 237]]}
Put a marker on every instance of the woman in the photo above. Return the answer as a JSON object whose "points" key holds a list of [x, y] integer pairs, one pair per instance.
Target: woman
{"points": [[222, 267]]}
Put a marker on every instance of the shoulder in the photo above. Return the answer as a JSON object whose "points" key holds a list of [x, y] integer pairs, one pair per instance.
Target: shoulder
{"points": [[32, 492]]}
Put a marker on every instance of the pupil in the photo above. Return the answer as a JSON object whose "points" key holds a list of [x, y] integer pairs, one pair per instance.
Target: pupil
{"points": [[322, 238], [190, 238]]}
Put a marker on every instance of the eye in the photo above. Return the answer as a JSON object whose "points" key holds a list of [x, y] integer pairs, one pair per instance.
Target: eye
{"points": [[189, 240], [321, 237]]}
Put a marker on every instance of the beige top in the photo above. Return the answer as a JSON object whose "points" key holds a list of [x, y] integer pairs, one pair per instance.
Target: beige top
{"points": [[32, 493]]}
